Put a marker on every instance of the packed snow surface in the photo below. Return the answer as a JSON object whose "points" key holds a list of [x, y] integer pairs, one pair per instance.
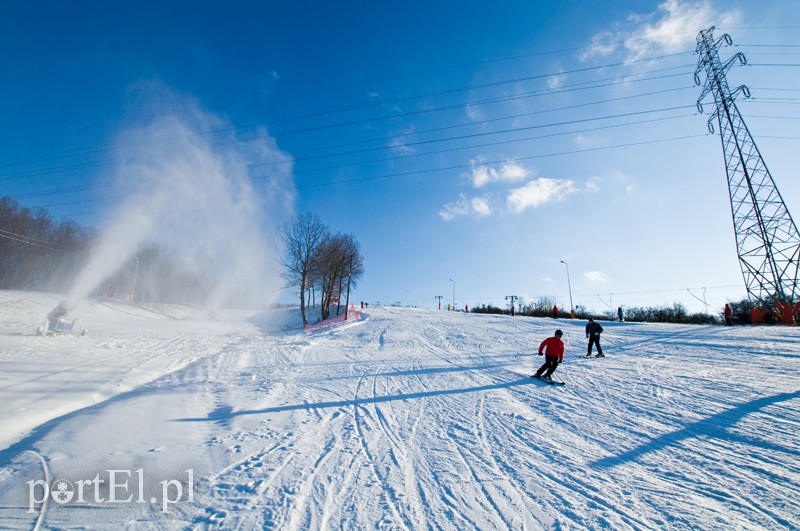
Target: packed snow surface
{"points": [[401, 419]]}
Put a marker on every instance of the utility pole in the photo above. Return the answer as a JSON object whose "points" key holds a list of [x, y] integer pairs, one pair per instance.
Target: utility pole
{"points": [[569, 285], [767, 240], [440, 297], [454, 294], [513, 299], [132, 294]]}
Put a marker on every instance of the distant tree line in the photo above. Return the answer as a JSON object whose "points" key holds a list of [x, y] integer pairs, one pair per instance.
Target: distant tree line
{"points": [[677, 313], [668, 314], [38, 253], [317, 261], [543, 307]]}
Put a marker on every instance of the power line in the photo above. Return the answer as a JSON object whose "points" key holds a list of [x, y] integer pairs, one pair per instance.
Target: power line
{"points": [[453, 167], [593, 86], [84, 165], [426, 142], [27, 240], [464, 166], [468, 88], [543, 92], [476, 122], [510, 141]]}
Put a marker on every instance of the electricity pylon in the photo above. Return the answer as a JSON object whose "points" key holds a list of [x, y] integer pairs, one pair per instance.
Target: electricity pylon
{"points": [[767, 240]]}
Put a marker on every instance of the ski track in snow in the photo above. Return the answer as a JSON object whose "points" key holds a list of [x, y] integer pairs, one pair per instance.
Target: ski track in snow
{"points": [[405, 419]]}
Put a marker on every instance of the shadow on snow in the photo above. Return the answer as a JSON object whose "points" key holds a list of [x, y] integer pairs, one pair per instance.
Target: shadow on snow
{"points": [[225, 413], [716, 426]]}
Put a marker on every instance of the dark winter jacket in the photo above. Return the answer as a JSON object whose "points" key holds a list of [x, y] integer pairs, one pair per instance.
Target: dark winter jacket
{"points": [[593, 328]]}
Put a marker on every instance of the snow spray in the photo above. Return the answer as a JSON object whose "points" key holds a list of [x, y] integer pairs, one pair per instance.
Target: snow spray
{"points": [[187, 184]]}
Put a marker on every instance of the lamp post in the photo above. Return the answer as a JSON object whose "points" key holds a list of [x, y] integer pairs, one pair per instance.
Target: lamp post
{"points": [[569, 285], [454, 294], [132, 294]]}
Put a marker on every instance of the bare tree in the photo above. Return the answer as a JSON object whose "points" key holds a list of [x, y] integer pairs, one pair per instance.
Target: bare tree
{"points": [[303, 238], [340, 260], [354, 264]]}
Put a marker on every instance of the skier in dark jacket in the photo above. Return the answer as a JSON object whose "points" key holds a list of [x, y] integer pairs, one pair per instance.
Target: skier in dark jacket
{"points": [[593, 331], [553, 350]]}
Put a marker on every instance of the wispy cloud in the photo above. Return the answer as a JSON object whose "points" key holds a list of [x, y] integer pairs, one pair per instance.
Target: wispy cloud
{"points": [[596, 277], [474, 112], [538, 192], [509, 172], [671, 28], [507, 177], [603, 44], [555, 81], [465, 206]]}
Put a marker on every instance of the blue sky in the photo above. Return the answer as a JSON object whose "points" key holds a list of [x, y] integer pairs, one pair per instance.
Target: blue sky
{"points": [[482, 142]]}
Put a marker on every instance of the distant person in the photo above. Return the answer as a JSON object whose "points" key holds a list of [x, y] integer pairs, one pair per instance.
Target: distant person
{"points": [[728, 312], [619, 314], [555, 312], [553, 350], [593, 331]]}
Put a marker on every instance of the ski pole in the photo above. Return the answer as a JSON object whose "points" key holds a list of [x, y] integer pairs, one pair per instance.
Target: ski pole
{"points": [[559, 378]]}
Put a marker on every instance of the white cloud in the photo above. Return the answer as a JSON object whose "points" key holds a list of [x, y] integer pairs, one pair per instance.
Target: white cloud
{"points": [[399, 147], [474, 112], [603, 44], [673, 31], [538, 192], [509, 172], [671, 28], [555, 81], [595, 276], [480, 206], [593, 184], [476, 206], [582, 141]]}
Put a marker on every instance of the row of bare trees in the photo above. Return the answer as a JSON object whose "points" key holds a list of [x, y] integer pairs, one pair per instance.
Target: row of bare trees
{"points": [[315, 260], [37, 252]]}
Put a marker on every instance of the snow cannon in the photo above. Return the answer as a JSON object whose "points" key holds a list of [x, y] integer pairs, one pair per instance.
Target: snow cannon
{"points": [[59, 311], [57, 323]]}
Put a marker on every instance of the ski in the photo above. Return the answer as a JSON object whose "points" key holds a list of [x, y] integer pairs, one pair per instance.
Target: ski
{"points": [[545, 380]]}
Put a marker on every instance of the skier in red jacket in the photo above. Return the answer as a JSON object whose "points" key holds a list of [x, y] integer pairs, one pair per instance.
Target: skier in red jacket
{"points": [[553, 350]]}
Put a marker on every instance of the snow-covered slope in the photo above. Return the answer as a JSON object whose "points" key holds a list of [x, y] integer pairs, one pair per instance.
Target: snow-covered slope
{"points": [[404, 419]]}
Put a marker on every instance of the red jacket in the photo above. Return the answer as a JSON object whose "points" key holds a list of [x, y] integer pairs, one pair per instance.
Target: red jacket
{"points": [[553, 347]]}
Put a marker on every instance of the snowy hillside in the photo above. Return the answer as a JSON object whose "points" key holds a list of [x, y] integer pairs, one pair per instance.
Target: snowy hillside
{"points": [[404, 419]]}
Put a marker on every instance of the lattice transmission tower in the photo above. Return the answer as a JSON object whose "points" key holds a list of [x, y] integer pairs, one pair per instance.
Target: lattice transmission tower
{"points": [[767, 240]]}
